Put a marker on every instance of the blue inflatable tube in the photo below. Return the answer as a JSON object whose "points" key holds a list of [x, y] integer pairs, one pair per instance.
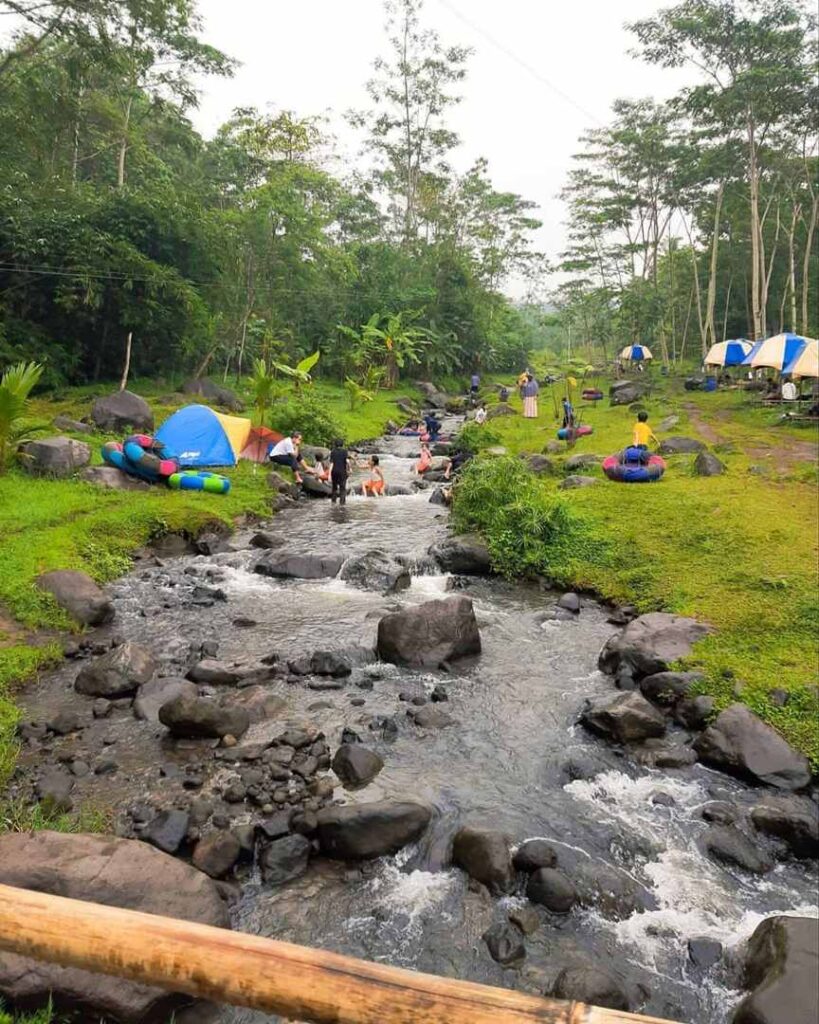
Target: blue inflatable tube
{"points": [[213, 483]]}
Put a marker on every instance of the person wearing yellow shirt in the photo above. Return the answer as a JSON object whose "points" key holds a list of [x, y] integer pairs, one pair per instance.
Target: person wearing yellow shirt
{"points": [[643, 432]]}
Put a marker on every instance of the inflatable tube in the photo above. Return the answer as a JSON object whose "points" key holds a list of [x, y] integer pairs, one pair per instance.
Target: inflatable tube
{"points": [[141, 456], [213, 483], [592, 394], [634, 466], [567, 433]]}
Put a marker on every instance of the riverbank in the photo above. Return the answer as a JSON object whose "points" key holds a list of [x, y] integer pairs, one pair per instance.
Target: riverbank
{"points": [[69, 524], [738, 550]]}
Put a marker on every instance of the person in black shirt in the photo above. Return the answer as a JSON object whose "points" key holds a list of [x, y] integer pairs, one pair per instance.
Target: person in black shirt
{"points": [[339, 470]]}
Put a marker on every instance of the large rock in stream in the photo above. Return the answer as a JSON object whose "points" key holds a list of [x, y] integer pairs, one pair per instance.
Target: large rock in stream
{"points": [[650, 644], [376, 570], [626, 718], [284, 565], [117, 873], [742, 744], [466, 555], [365, 831], [119, 673], [782, 969], [484, 855], [431, 633], [200, 718], [79, 595]]}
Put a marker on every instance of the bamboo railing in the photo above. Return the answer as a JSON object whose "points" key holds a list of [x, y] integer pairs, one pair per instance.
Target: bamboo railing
{"points": [[264, 974]]}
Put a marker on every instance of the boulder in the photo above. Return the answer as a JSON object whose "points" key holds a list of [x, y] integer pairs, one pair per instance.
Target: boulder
{"points": [[217, 673], [119, 673], [484, 855], [266, 541], [664, 753], [276, 482], [431, 717], [112, 479], [122, 411], [592, 986], [376, 570], [315, 488], [680, 446], [790, 818], [707, 464], [114, 872], [257, 701], [167, 831], [281, 565], [440, 496], [285, 859], [704, 952], [740, 743], [504, 941], [782, 969], [214, 393], [79, 595], [725, 843], [365, 831], [466, 555], [72, 426], [501, 409], [625, 392], [651, 643], [54, 791], [200, 718], [54, 456], [329, 663], [626, 718], [694, 712], [534, 854], [551, 889], [576, 462], [667, 688], [576, 480], [432, 394], [431, 633], [153, 694], [569, 602], [356, 765], [540, 465], [217, 853], [668, 423]]}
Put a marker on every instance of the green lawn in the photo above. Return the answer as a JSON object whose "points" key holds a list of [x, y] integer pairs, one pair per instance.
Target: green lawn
{"points": [[738, 550]]}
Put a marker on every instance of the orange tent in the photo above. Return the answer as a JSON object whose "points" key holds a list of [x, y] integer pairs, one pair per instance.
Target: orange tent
{"points": [[258, 444]]}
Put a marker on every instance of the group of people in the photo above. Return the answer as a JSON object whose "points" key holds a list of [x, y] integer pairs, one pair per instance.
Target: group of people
{"points": [[336, 472]]}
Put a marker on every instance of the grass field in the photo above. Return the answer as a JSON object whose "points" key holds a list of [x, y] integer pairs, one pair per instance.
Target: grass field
{"points": [[737, 550]]}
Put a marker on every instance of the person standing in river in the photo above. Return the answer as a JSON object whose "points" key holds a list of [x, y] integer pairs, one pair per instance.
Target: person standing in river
{"points": [[529, 393], [339, 471]]}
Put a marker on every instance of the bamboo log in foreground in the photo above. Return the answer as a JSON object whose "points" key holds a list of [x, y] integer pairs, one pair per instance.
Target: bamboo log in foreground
{"points": [[264, 974]]}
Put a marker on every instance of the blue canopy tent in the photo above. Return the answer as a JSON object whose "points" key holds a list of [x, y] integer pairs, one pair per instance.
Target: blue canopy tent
{"points": [[748, 359], [198, 436], [728, 353], [636, 353]]}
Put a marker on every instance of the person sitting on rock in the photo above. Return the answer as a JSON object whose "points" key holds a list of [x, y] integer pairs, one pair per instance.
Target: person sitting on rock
{"points": [[288, 453], [643, 432], [458, 460], [425, 459], [374, 487]]}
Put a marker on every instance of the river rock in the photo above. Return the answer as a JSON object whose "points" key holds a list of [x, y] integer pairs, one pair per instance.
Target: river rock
{"points": [[119, 673], [791, 818], [122, 411], [314, 487], [356, 765], [704, 952], [376, 570], [651, 643], [740, 743], [257, 702], [266, 541], [276, 482], [551, 889], [534, 854], [484, 855], [427, 634], [707, 464], [282, 565], [217, 853], [666, 688], [569, 602], [694, 712], [440, 496], [466, 555], [167, 830], [591, 985], [56, 457], [215, 393], [112, 479], [115, 872], [782, 969], [664, 753], [285, 859], [504, 941], [626, 718], [575, 480], [201, 718], [365, 831], [79, 595], [152, 695], [216, 673], [73, 426], [431, 717], [54, 791], [329, 663], [727, 844]]}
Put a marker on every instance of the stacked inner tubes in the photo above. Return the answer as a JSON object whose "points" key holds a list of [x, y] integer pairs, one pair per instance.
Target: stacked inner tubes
{"points": [[634, 466], [570, 433], [146, 458], [592, 394]]}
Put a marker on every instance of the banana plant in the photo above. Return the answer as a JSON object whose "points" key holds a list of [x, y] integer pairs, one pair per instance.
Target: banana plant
{"points": [[16, 385], [389, 339], [300, 373]]}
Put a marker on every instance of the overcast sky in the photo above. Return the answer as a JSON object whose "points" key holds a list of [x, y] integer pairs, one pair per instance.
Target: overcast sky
{"points": [[314, 56]]}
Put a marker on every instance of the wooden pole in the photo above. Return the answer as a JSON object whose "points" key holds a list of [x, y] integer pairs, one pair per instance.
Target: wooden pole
{"points": [[127, 368], [264, 974]]}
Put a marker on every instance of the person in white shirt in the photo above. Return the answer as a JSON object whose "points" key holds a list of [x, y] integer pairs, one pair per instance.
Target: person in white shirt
{"points": [[480, 415], [789, 391], [286, 453]]}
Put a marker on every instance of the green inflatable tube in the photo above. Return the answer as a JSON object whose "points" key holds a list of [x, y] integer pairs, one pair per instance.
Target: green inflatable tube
{"points": [[213, 483]]}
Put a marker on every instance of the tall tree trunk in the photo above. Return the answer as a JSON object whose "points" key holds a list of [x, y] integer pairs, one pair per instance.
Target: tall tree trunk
{"points": [[757, 272], [409, 213], [814, 213], [123, 145], [75, 154], [767, 271], [795, 214], [710, 329], [727, 304]]}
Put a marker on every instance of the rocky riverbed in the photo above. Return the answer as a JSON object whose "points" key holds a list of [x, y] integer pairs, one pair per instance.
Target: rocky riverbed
{"points": [[371, 745]]}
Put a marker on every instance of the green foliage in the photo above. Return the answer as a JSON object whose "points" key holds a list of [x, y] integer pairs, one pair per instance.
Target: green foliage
{"points": [[20, 816], [358, 394], [308, 414], [16, 385], [45, 1015], [473, 437]]}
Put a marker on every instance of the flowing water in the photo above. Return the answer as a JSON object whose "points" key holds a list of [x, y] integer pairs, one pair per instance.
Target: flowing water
{"points": [[502, 764]]}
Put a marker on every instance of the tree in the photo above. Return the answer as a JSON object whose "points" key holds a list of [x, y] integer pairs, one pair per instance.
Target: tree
{"points": [[16, 385]]}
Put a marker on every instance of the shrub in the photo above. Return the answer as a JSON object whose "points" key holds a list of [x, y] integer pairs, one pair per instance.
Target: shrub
{"points": [[474, 438], [308, 414]]}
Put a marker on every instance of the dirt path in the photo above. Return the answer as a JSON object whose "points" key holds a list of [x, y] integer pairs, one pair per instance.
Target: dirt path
{"points": [[787, 451]]}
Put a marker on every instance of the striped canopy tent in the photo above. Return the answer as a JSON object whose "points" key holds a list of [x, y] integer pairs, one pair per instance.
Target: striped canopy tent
{"points": [[776, 352], [755, 347], [805, 363], [728, 353], [636, 353]]}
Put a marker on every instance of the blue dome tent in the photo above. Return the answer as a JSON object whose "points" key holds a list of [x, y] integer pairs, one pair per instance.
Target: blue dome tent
{"points": [[198, 436]]}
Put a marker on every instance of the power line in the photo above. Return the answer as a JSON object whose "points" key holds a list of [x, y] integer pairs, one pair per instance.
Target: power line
{"points": [[519, 60]]}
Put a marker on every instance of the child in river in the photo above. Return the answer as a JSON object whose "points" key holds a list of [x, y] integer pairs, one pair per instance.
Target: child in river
{"points": [[374, 487], [425, 459]]}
